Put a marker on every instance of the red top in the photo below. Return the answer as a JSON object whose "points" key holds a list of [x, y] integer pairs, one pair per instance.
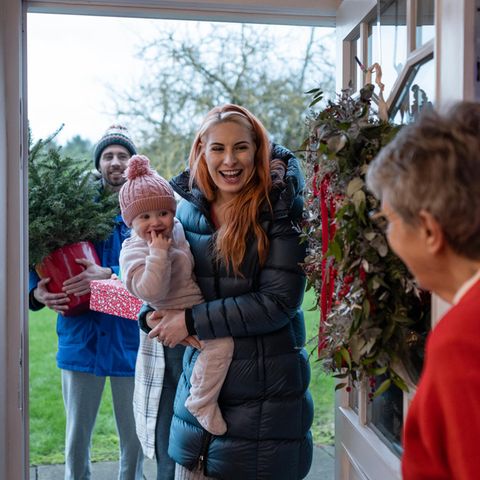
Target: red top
{"points": [[442, 430]]}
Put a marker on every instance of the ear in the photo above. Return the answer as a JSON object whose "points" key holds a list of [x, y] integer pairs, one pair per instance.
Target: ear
{"points": [[433, 232]]}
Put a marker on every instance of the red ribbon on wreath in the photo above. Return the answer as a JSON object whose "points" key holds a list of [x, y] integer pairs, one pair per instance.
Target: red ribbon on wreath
{"points": [[327, 213]]}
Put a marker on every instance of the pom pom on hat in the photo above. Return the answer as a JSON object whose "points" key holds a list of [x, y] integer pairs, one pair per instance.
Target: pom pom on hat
{"points": [[138, 166], [115, 135], [144, 190]]}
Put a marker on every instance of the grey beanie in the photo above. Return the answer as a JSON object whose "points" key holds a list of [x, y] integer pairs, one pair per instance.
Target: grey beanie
{"points": [[115, 135]]}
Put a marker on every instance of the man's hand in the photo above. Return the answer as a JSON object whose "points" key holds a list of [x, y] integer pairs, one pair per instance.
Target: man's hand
{"points": [[171, 328], [56, 301], [80, 284], [157, 240]]}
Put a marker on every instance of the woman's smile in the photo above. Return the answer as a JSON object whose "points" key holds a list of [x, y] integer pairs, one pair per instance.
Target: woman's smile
{"points": [[230, 156]]}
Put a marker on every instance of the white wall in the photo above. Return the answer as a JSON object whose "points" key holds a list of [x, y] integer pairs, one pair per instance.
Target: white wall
{"points": [[455, 50]]}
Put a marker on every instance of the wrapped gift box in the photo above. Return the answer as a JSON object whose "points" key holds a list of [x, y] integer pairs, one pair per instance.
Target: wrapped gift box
{"points": [[112, 297]]}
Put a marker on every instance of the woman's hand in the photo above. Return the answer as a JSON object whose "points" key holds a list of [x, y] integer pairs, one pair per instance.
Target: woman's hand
{"points": [[153, 319], [170, 328], [192, 341]]}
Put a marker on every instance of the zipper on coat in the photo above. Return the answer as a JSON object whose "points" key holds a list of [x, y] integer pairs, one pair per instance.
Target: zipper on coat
{"points": [[202, 458]]}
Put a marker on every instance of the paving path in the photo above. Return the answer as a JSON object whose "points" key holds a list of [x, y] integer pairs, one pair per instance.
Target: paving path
{"points": [[322, 468]]}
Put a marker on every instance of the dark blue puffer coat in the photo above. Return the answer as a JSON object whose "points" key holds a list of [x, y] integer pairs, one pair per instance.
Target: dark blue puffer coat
{"points": [[264, 400]]}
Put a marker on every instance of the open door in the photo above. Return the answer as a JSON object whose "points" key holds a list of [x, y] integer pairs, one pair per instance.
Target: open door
{"points": [[420, 69], [399, 35]]}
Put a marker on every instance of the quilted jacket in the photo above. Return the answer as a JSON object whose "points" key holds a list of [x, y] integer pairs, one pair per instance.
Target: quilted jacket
{"points": [[265, 399]]}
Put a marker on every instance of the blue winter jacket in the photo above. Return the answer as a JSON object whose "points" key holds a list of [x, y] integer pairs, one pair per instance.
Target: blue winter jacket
{"points": [[95, 342], [265, 399]]}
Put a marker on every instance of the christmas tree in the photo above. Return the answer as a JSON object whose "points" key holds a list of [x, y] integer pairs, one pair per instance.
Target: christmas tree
{"points": [[66, 203]]}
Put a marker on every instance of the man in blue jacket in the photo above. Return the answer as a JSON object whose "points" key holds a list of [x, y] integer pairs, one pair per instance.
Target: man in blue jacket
{"points": [[93, 345]]}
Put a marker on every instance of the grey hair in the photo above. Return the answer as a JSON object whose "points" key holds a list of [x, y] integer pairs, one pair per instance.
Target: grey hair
{"points": [[434, 165]]}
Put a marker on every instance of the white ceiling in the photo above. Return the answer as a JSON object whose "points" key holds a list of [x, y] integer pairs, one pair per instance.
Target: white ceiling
{"points": [[300, 12]]}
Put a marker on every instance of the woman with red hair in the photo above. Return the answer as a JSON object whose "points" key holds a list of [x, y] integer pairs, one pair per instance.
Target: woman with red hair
{"points": [[239, 209]]}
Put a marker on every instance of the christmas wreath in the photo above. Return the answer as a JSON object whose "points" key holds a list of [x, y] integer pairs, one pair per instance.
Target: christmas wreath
{"points": [[373, 317]]}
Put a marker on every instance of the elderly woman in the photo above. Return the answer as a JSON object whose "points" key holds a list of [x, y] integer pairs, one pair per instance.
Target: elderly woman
{"points": [[428, 181]]}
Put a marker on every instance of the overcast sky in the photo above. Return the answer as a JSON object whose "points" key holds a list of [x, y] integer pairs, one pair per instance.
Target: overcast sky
{"points": [[74, 62]]}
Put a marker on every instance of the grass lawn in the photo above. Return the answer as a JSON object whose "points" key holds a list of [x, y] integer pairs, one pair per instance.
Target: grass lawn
{"points": [[47, 417]]}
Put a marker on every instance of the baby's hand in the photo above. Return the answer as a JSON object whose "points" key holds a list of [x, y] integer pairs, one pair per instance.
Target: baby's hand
{"points": [[157, 240]]}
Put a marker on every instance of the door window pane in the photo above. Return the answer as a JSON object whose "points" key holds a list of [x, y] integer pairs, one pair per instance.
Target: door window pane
{"points": [[385, 416], [387, 40], [425, 30], [417, 93]]}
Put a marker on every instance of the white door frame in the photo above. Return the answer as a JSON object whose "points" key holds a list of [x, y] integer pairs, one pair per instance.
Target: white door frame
{"points": [[13, 176], [13, 264], [453, 20]]}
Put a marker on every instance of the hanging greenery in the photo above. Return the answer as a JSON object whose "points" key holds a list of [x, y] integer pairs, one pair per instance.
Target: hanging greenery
{"points": [[373, 316]]}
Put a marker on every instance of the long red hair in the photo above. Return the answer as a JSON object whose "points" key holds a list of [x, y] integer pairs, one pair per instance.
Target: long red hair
{"points": [[242, 213]]}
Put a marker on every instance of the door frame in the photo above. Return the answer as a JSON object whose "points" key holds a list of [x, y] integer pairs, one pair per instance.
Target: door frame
{"points": [[14, 438], [455, 80]]}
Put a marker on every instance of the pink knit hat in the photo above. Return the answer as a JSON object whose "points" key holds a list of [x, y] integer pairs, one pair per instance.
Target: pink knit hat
{"points": [[144, 190]]}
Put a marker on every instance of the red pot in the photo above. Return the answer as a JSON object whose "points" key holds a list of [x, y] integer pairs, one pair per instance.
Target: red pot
{"points": [[60, 265]]}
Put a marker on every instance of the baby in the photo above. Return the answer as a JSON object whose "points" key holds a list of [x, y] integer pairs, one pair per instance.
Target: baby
{"points": [[157, 267]]}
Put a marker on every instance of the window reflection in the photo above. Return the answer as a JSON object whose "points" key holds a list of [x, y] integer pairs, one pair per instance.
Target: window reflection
{"points": [[385, 412], [415, 335], [425, 30], [417, 92], [387, 40], [385, 416]]}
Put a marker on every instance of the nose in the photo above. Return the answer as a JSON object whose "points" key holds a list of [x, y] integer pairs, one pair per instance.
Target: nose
{"points": [[229, 158], [116, 160], [157, 221]]}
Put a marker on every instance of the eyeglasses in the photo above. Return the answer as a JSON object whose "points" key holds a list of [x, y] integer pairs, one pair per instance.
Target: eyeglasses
{"points": [[380, 219]]}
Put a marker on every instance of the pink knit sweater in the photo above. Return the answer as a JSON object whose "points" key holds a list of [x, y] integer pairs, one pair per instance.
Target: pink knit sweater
{"points": [[162, 278]]}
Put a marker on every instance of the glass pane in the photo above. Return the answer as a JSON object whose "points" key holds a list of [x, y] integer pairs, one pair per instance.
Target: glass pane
{"points": [[387, 41], [418, 92], [425, 22], [385, 416], [357, 74], [415, 337]]}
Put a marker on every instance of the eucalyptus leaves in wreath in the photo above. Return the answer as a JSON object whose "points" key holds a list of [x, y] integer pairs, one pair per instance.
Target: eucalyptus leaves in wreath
{"points": [[373, 316]]}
